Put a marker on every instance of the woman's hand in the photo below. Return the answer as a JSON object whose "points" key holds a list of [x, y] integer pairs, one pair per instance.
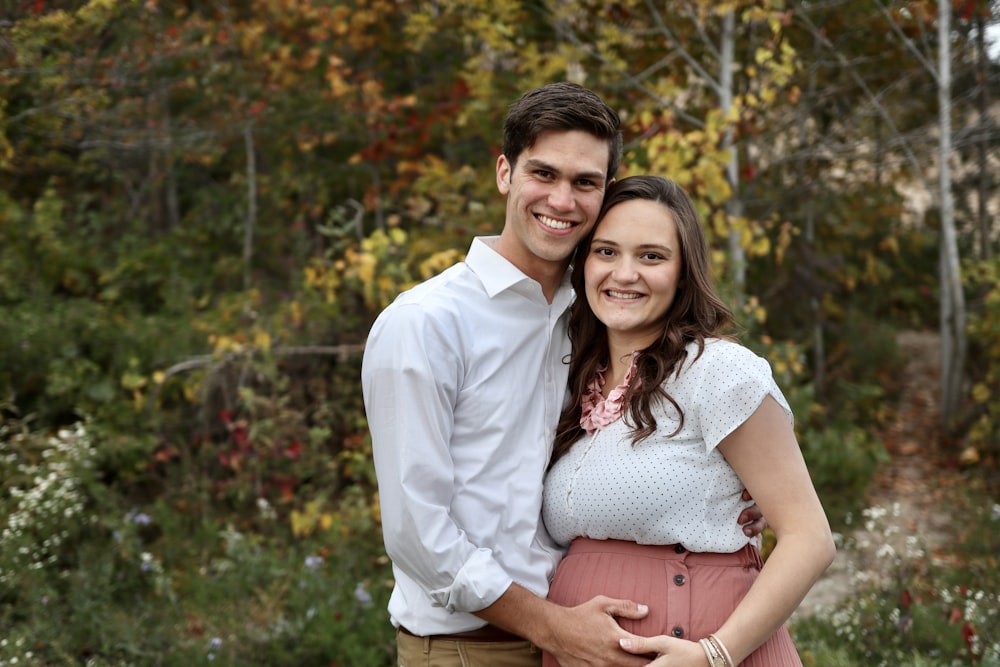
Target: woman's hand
{"points": [[669, 651]]}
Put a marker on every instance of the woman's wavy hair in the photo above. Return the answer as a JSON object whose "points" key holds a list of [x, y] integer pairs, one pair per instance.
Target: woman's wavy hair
{"points": [[695, 314]]}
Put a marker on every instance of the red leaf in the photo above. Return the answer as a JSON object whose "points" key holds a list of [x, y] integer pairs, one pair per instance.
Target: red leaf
{"points": [[165, 455], [257, 108], [967, 10], [33, 6], [294, 451], [968, 632]]}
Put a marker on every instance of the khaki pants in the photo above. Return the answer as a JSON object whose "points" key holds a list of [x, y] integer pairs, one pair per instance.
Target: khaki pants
{"points": [[428, 652]]}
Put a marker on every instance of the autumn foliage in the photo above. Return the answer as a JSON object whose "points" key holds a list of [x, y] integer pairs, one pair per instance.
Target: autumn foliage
{"points": [[204, 205]]}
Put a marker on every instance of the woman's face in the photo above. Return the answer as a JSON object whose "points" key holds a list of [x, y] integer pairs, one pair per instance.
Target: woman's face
{"points": [[632, 270]]}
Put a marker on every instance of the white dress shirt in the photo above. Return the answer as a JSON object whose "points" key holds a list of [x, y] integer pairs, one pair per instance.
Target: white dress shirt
{"points": [[666, 489], [464, 377]]}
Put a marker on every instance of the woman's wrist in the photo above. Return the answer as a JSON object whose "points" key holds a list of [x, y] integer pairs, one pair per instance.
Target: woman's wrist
{"points": [[716, 651], [722, 649], [715, 658]]}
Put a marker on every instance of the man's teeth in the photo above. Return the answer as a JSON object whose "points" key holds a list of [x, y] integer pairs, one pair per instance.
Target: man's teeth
{"points": [[553, 223], [623, 295]]}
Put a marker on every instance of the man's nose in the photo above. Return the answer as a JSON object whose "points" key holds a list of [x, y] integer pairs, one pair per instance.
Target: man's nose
{"points": [[561, 196]]}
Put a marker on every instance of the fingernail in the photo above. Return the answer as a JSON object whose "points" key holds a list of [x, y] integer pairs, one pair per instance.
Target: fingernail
{"points": [[625, 643], [643, 608]]}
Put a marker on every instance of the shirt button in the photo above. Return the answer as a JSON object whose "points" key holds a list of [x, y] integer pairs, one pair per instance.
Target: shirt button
{"points": [[679, 549], [678, 632], [679, 579]]}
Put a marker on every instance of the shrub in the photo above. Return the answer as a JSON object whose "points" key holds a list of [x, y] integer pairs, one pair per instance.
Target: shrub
{"points": [[910, 606], [88, 576], [835, 435], [983, 447]]}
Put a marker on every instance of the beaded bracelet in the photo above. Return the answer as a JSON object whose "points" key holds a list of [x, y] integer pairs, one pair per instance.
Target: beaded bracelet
{"points": [[721, 648], [715, 658]]}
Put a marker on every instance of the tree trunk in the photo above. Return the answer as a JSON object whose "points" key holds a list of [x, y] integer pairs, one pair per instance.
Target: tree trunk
{"points": [[734, 207], [982, 76], [952, 300], [251, 220]]}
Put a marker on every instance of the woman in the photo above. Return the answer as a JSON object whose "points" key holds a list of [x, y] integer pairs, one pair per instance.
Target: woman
{"points": [[668, 422]]}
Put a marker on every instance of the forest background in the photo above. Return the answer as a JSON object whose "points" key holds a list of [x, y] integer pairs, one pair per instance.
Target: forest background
{"points": [[204, 205]]}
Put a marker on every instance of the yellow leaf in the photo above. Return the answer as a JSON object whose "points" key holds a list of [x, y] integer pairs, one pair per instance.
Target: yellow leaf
{"points": [[969, 456], [366, 268], [981, 393], [301, 525], [295, 314], [397, 236], [132, 380], [262, 340], [763, 56], [761, 247]]}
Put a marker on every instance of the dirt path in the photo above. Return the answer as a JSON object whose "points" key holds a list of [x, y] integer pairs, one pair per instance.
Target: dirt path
{"points": [[907, 491]]}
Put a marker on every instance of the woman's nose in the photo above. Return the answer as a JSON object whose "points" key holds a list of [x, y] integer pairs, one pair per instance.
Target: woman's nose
{"points": [[625, 271]]}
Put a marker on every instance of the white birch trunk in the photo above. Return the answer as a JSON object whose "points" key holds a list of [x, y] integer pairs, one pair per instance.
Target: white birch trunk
{"points": [[734, 207], [952, 299]]}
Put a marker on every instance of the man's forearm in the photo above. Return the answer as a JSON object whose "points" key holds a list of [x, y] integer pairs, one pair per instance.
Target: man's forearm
{"points": [[522, 612]]}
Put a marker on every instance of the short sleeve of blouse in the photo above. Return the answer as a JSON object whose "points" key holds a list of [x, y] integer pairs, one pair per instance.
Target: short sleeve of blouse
{"points": [[731, 382]]}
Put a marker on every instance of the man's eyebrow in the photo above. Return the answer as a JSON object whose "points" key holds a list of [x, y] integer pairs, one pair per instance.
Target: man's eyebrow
{"points": [[542, 164]]}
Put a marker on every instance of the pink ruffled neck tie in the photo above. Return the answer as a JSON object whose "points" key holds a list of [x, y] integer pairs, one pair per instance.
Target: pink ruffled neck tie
{"points": [[597, 411]]}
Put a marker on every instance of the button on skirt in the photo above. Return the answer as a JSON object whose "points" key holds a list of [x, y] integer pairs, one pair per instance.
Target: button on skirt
{"points": [[689, 595]]}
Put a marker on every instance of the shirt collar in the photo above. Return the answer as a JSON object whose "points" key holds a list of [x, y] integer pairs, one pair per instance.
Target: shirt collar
{"points": [[498, 274]]}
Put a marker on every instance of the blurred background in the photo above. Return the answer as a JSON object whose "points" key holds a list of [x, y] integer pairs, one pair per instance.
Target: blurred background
{"points": [[205, 204]]}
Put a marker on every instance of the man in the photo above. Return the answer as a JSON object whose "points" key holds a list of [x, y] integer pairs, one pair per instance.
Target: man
{"points": [[464, 377]]}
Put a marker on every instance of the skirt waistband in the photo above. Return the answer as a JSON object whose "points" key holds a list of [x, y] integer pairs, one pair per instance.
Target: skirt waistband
{"points": [[748, 556]]}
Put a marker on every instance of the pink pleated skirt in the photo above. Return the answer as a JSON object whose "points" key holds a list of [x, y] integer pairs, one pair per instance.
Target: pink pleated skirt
{"points": [[689, 595]]}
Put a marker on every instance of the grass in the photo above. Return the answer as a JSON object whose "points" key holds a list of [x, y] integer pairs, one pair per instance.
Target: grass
{"points": [[917, 606], [88, 577]]}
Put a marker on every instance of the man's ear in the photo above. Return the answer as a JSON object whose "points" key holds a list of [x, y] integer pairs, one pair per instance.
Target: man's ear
{"points": [[503, 175]]}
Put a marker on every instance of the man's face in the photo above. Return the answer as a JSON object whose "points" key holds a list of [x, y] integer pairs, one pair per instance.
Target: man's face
{"points": [[554, 194]]}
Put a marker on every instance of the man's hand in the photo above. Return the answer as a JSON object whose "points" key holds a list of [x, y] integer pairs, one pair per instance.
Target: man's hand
{"points": [[752, 519], [589, 636]]}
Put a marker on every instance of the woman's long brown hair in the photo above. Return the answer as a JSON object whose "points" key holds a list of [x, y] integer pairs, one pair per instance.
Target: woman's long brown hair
{"points": [[696, 313]]}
